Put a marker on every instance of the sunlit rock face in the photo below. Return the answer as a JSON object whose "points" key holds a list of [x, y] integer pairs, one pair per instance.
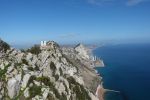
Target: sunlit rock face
{"points": [[48, 74], [82, 51], [80, 56]]}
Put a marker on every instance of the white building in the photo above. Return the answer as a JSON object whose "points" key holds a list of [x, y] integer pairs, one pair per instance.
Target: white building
{"points": [[43, 43]]}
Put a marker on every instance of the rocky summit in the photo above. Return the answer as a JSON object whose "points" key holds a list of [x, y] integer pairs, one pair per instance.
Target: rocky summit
{"points": [[47, 73]]}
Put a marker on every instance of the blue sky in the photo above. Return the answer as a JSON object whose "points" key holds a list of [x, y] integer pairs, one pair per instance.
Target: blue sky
{"points": [[72, 21]]}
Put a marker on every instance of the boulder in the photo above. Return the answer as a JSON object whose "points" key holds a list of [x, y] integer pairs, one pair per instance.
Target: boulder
{"points": [[25, 80], [12, 87]]}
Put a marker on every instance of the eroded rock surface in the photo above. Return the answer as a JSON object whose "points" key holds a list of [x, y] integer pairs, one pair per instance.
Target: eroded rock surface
{"points": [[53, 73]]}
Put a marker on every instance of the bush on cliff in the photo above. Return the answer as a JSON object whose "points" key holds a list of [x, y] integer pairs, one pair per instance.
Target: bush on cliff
{"points": [[4, 46], [35, 50]]}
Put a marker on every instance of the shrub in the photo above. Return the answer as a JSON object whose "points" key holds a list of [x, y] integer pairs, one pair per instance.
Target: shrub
{"points": [[56, 77], [4, 46], [34, 90], [63, 97], [25, 61], [2, 72], [45, 80], [53, 67], [31, 80], [71, 80], [56, 93], [35, 49], [78, 89], [81, 93], [50, 97], [36, 68], [61, 72], [30, 68]]}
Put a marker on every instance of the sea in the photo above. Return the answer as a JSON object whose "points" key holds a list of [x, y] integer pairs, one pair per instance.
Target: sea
{"points": [[127, 69]]}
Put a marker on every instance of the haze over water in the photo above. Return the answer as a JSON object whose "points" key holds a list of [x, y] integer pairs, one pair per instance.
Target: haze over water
{"points": [[127, 70]]}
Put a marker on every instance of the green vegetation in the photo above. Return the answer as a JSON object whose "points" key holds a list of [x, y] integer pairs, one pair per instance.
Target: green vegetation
{"points": [[17, 64], [61, 72], [31, 68], [36, 67], [20, 95], [63, 97], [35, 90], [56, 77], [79, 90], [53, 67], [50, 97], [2, 72], [24, 61], [45, 80], [2, 79], [4, 46], [81, 93], [56, 93], [35, 50], [53, 55], [71, 81], [31, 80]]}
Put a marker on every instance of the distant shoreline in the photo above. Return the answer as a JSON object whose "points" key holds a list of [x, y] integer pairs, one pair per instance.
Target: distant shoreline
{"points": [[100, 92]]}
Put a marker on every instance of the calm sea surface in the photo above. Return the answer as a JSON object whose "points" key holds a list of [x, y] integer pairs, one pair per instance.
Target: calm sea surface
{"points": [[127, 70]]}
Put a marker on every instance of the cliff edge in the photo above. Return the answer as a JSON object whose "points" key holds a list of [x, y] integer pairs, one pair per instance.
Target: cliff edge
{"points": [[47, 73]]}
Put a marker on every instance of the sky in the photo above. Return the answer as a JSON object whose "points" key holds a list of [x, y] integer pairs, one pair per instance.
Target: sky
{"points": [[71, 21]]}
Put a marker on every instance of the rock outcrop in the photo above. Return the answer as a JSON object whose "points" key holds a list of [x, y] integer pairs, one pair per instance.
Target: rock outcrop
{"points": [[82, 51], [54, 73]]}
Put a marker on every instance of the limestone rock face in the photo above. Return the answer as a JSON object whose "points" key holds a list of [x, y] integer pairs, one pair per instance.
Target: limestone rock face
{"points": [[82, 51], [25, 80], [80, 56], [12, 87], [52, 74]]}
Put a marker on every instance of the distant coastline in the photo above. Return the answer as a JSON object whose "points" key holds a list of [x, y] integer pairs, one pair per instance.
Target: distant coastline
{"points": [[100, 92]]}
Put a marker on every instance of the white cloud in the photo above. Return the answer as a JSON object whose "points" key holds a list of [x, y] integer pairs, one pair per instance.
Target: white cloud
{"points": [[126, 2], [134, 2], [100, 2]]}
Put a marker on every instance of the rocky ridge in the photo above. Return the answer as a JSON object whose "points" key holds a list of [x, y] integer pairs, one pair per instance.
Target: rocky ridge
{"points": [[53, 73]]}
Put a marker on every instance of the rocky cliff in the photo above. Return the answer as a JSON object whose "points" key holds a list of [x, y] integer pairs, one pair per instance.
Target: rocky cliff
{"points": [[47, 73]]}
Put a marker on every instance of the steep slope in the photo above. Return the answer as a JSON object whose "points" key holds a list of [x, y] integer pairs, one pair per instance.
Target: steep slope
{"points": [[80, 56], [46, 75]]}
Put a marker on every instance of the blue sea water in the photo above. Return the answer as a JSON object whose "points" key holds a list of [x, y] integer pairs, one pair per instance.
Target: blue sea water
{"points": [[127, 70]]}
